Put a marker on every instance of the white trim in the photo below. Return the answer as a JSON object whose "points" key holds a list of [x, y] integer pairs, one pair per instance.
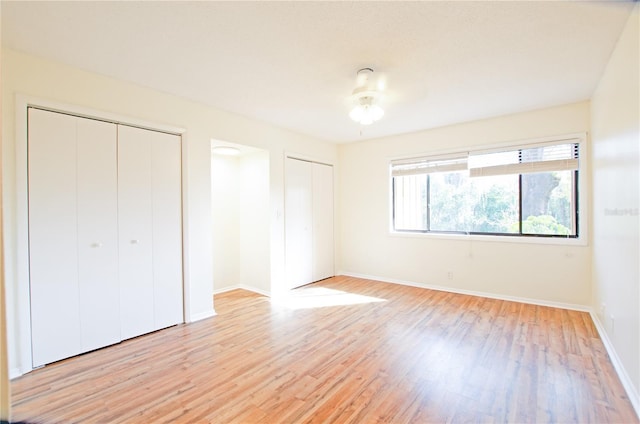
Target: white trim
{"points": [[539, 302], [242, 287], [15, 373], [86, 112], [186, 256], [23, 304], [202, 315], [298, 156], [559, 241], [632, 393]]}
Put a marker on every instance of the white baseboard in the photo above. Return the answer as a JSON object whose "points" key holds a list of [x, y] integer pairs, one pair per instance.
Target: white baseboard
{"points": [[202, 315], [15, 373], [570, 306], [242, 287], [632, 392]]}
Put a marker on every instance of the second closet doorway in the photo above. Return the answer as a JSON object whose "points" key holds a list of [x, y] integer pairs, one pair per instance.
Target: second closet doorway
{"points": [[240, 197]]}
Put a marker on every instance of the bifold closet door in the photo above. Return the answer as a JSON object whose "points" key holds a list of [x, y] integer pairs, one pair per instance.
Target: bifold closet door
{"points": [[105, 233], [298, 222], [308, 221], [166, 195], [98, 233], [150, 230], [323, 257], [72, 235]]}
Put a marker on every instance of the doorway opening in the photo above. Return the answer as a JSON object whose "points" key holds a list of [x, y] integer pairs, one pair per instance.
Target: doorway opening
{"points": [[241, 222]]}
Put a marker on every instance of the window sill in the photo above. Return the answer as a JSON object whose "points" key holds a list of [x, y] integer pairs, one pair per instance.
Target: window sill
{"points": [[558, 241]]}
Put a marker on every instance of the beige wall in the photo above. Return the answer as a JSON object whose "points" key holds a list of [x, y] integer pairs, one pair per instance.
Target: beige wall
{"points": [[52, 81], [544, 272], [4, 362], [254, 222], [615, 116]]}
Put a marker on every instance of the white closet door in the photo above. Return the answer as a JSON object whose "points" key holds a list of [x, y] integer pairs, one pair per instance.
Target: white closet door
{"points": [[53, 236], [322, 221], [105, 233], [97, 233], [166, 171], [298, 222], [135, 230]]}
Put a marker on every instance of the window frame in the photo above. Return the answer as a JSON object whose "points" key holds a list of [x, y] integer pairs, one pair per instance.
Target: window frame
{"points": [[579, 194]]}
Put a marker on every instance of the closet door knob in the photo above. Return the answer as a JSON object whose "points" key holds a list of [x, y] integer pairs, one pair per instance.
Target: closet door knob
{"points": [[135, 241], [96, 244]]}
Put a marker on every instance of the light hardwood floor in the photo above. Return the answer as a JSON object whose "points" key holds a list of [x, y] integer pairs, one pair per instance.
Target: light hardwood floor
{"points": [[381, 353]]}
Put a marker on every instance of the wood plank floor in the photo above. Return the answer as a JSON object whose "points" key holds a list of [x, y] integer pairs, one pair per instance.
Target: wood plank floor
{"points": [[344, 350]]}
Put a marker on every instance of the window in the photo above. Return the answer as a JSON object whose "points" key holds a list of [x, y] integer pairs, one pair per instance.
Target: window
{"points": [[527, 190]]}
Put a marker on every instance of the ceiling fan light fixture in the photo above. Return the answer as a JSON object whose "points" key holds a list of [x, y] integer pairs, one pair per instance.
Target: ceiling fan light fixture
{"points": [[366, 110]]}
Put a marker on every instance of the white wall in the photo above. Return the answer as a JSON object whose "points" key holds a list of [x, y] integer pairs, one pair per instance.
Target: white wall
{"points": [[225, 211], [254, 222], [34, 76], [544, 272], [615, 115]]}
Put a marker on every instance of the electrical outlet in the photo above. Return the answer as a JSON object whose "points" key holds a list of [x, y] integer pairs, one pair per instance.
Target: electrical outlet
{"points": [[449, 275], [603, 309]]}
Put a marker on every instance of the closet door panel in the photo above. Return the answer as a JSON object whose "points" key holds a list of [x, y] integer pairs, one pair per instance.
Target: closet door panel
{"points": [[167, 228], [322, 222], [97, 233], [298, 222], [135, 231], [55, 317]]}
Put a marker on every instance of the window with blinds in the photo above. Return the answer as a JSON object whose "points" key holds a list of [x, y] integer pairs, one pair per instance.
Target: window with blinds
{"points": [[527, 190]]}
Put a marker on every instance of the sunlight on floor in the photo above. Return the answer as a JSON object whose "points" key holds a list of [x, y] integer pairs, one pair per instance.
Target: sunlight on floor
{"points": [[318, 297]]}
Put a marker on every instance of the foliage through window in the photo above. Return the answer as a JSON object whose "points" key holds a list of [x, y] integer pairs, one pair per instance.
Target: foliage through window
{"points": [[527, 190]]}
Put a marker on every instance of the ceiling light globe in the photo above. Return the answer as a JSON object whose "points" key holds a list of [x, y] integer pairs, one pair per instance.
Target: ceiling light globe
{"points": [[357, 113], [376, 112], [366, 120], [366, 111]]}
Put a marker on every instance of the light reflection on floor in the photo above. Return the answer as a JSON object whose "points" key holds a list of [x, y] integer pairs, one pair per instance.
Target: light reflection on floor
{"points": [[319, 297]]}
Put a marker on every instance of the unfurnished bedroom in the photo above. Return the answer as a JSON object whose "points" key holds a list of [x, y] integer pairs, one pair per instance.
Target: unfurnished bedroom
{"points": [[320, 212]]}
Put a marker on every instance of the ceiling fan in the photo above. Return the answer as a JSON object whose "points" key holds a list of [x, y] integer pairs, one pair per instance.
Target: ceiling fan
{"points": [[366, 98]]}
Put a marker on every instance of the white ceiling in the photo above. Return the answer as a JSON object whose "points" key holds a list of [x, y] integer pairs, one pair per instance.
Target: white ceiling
{"points": [[293, 64]]}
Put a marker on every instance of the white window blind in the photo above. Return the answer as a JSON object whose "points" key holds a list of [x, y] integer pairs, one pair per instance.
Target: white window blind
{"points": [[563, 156], [428, 165]]}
